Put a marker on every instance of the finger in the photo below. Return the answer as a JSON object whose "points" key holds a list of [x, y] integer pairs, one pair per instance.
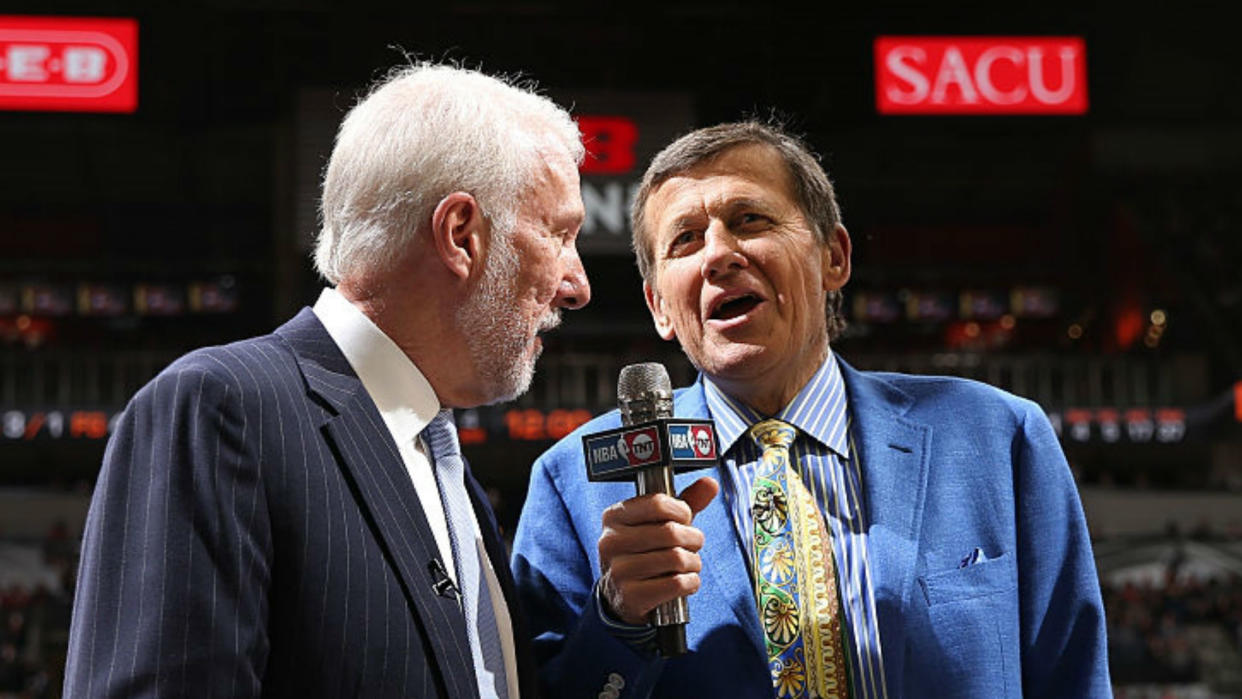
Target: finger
{"points": [[699, 493], [625, 540], [631, 601], [654, 564], [646, 509]]}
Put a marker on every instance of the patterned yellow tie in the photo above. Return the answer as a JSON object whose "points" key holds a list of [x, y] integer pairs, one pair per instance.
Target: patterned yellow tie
{"points": [[795, 575]]}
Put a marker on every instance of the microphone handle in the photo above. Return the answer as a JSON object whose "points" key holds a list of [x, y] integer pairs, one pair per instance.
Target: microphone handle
{"points": [[670, 617]]}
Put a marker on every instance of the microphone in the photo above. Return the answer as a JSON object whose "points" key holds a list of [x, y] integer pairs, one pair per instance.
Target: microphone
{"points": [[649, 447], [441, 583], [644, 394]]}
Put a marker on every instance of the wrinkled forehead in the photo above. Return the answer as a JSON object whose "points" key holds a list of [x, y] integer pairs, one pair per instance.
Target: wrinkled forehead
{"points": [[750, 171], [554, 165], [553, 183]]}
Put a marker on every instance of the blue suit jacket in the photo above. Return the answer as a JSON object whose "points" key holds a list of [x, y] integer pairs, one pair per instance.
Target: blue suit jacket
{"points": [[254, 532], [948, 465]]}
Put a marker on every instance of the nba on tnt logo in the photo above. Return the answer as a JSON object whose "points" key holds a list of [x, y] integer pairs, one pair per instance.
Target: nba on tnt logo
{"points": [[692, 442], [640, 447]]}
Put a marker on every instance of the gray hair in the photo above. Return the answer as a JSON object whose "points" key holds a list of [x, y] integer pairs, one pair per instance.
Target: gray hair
{"points": [[812, 190], [421, 133]]}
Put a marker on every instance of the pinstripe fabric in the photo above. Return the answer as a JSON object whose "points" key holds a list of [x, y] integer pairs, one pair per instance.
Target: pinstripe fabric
{"points": [[822, 454], [254, 532]]}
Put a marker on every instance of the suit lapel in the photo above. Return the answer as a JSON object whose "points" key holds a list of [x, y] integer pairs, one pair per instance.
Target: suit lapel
{"points": [[366, 452], [725, 576], [894, 453]]}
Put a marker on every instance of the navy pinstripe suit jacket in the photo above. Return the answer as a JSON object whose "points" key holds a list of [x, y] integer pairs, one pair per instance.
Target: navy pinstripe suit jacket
{"points": [[254, 532]]}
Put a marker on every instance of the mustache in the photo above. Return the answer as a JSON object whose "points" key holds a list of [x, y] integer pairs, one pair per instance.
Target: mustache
{"points": [[550, 322]]}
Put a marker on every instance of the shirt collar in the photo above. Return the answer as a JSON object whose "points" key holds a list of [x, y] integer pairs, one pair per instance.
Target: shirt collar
{"points": [[818, 410], [405, 399]]}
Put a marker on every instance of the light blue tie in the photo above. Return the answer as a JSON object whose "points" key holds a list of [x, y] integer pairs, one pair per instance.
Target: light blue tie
{"points": [[476, 598]]}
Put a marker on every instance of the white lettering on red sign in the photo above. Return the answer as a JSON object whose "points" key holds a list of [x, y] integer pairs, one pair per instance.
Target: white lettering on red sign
{"points": [[68, 64], [981, 75]]}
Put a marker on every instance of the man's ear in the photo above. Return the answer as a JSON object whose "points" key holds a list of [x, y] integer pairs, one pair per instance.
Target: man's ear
{"points": [[835, 259], [655, 304], [457, 228]]}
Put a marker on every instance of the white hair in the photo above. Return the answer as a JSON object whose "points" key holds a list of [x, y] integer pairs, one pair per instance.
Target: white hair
{"points": [[423, 132]]}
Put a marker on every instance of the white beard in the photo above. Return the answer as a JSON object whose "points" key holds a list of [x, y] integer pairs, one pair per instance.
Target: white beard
{"points": [[491, 319]]}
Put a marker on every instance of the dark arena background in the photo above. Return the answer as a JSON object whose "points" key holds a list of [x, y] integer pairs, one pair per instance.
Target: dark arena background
{"points": [[1085, 254]]}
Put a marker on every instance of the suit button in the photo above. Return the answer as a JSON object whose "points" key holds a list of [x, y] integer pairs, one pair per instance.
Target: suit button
{"points": [[617, 681]]}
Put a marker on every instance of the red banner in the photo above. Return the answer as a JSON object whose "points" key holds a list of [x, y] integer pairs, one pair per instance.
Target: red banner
{"points": [[980, 75], [68, 64]]}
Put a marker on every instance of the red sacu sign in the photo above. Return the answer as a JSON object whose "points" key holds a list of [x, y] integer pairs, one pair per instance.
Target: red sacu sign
{"points": [[980, 75], [68, 64]]}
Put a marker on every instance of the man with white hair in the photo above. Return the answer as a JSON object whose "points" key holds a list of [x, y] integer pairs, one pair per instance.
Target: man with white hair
{"points": [[290, 515]]}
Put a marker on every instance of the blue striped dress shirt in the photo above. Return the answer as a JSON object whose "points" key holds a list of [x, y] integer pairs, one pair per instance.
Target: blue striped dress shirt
{"points": [[825, 456]]}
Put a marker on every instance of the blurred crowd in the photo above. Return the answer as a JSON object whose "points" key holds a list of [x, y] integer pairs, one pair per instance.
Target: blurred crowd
{"points": [[1178, 632], [35, 602]]}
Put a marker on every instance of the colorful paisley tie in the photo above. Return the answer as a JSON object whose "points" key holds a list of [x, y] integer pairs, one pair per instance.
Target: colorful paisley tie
{"points": [[795, 575]]}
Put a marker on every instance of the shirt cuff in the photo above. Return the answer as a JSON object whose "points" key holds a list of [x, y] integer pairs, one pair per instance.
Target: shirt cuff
{"points": [[640, 638]]}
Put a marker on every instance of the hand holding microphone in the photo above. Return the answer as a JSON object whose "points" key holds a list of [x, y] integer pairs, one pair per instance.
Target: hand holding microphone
{"points": [[648, 553], [648, 549]]}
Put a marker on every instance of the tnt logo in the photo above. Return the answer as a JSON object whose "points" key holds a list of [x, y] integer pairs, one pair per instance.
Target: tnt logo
{"points": [[639, 447], [704, 445]]}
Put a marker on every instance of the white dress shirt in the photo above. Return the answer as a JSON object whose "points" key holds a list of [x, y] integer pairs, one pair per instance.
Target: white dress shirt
{"points": [[407, 403]]}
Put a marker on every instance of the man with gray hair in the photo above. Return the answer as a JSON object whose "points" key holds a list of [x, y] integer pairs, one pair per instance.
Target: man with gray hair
{"points": [[290, 515], [879, 535]]}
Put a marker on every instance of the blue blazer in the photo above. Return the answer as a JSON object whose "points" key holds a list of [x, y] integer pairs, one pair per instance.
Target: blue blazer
{"points": [[948, 465], [254, 532]]}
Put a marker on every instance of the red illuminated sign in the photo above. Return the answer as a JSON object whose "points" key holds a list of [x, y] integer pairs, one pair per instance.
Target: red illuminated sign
{"points": [[980, 75], [68, 64], [531, 424], [610, 142]]}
